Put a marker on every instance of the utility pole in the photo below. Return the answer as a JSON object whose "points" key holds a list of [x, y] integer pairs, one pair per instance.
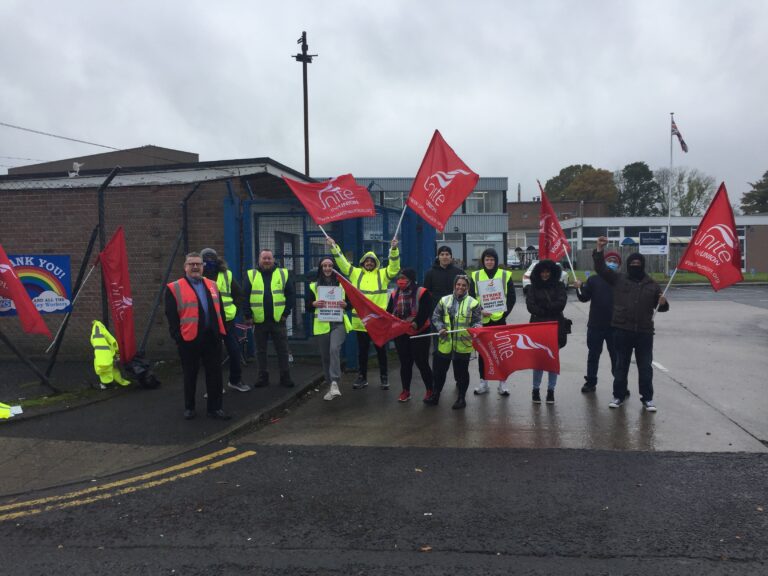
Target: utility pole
{"points": [[305, 59]]}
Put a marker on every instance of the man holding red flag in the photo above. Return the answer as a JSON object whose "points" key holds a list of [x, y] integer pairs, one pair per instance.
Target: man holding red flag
{"points": [[714, 250], [442, 183], [12, 289]]}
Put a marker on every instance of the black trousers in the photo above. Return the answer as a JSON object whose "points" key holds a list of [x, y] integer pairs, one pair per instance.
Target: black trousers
{"points": [[410, 352], [205, 349], [279, 334], [233, 350], [363, 346], [595, 339], [642, 344], [480, 363], [460, 372]]}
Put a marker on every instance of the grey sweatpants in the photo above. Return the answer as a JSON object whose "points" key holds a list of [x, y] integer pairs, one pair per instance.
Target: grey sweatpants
{"points": [[330, 351]]}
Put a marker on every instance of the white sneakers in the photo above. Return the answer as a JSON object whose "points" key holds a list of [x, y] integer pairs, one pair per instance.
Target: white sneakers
{"points": [[482, 389], [503, 390], [333, 392]]}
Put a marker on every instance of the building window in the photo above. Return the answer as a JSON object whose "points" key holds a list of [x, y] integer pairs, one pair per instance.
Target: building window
{"points": [[485, 202], [595, 231], [614, 232]]}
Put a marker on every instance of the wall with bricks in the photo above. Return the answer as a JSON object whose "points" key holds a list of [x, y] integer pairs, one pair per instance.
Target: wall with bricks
{"points": [[60, 222]]}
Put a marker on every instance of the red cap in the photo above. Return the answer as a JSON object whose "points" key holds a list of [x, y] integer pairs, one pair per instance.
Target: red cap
{"points": [[613, 255]]}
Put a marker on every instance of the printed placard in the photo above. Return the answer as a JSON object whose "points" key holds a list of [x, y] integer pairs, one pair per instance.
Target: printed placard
{"points": [[491, 294], [332, 311], [46, 278]]}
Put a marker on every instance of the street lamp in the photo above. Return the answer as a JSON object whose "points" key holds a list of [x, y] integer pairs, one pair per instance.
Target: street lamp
{"points": [[305, 59]]}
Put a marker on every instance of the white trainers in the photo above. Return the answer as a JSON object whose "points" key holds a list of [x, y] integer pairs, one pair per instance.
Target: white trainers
{"points": [[503, 390], [241, 386], [482, 389], [333, 392], [649, 406], [615, 403]]}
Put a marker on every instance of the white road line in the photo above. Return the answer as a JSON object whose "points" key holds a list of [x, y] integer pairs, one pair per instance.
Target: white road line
{"points": [[659, 366]]}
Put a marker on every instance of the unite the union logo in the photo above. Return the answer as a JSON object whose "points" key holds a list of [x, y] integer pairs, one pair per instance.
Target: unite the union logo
{"points": [[333, 195], [438, 182], [720, 241]]}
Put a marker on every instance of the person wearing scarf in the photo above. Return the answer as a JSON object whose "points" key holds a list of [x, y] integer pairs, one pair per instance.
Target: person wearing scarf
{"points": [[413, 303]]}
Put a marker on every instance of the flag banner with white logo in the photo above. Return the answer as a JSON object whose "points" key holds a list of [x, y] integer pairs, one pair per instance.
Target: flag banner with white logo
{"points": [[513, 347], [339, 198], [331, 298], [12, 290], [553, 244], [714, 250], [442, 183], [114, 266]]}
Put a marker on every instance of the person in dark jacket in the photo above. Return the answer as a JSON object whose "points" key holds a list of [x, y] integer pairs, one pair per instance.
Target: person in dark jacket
{"points": [[600, 295], [635, 297], [546, 299], [439, 280], [413, 303], [490, 270]]}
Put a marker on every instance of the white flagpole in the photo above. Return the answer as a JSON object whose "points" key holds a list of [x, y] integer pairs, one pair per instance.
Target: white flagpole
{"points": [[571, 265], [74, 299], [664, 294], [323, 231], [669, 192], [433, 334], [400, 221]]}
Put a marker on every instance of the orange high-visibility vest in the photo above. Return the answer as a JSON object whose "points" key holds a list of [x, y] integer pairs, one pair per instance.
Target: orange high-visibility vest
{"points": [[186, 304]]}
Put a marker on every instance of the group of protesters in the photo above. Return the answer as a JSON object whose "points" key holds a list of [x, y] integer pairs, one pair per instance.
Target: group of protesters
{"points": [[201, 307]]}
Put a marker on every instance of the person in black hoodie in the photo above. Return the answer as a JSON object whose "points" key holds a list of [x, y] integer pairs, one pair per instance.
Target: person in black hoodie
{"points": [[635, 298], [490, 270], [439, 279], [600, 295], [413, 303], [546, 299]]}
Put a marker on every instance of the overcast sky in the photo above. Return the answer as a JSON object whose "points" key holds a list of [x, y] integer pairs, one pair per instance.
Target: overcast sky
{"points": [[518, 88]]}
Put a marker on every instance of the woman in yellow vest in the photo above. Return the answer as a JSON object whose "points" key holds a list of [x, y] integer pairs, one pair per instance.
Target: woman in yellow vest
{"points": [[453, 315], [326, 296]]}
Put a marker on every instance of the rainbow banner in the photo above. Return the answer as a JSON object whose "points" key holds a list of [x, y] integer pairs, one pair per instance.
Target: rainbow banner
{"points": [[47, 280]]}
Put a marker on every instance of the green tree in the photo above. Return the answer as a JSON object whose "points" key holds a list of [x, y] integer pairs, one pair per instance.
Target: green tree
{"points": [[557, 185], [595, 185], [756, 200], [639, 194], [691, 190]]}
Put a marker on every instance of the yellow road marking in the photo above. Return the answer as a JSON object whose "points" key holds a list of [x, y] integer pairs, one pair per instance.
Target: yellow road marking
{"points": [[129, 489], [117, 484]]}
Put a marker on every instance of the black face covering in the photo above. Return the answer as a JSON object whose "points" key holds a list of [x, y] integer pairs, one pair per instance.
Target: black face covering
{"points": [[635, 272]]}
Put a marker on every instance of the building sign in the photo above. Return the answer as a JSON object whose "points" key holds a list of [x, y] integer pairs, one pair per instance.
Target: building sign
{"points": [[653, 243], [47, 280]]}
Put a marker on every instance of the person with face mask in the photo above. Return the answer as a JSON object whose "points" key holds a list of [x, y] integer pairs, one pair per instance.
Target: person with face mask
{"points": [[490, 271], [455, 312], [635, 296], [330, 335], [214, 268], [600, 295], [412, 303], [371, 280]]}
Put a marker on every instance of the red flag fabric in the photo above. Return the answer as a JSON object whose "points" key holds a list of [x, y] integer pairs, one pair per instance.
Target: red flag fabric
{"points": [[380, 324], [441, 184], [339, 198], [714, 250], [12, 289], [676, 132], [507, 349], [114, 266], [553, 244]]}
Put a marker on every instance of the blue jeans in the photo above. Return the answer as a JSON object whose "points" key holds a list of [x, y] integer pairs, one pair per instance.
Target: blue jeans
{"points": [[551, 379], [595, 339], [642, 344]]}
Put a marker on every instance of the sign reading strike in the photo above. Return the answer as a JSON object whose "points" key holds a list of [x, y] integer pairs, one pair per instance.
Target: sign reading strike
{"points": [[46, 278], [442, 183], [339, 198], [331, 311], [492, 295]]}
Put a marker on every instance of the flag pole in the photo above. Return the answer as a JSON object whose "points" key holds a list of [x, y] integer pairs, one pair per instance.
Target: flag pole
{"points": [[664, 294], [323, 231], [399, 222], [433, 334], [66, 318], [568, 257], [669, 193]]}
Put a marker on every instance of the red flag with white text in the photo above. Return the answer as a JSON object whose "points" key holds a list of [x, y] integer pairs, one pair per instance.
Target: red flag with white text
{"points": [[114, 267], [442, 183], [380, 324], [339, 198], [507, 349], [12, 289], [553, 244], [714, 250]]}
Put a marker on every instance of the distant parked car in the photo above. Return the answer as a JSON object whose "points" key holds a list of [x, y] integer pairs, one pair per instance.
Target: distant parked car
{"points": [[513, 260], [527, 277]]}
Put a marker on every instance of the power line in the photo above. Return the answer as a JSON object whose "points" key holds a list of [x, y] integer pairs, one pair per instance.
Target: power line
{"points": [[17, 158]]}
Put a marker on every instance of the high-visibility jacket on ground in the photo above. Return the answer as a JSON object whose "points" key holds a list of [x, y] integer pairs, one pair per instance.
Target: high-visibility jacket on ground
{"points": [[321, 326], [277, 287], [224, 284], [105, 351], [460, 342], [187, 306], [481, 276], [373, 284]]}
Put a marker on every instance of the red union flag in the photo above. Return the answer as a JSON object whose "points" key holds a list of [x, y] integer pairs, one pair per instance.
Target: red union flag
{"points": [[676, 132], [507, 349], [441, 185], [339, 198], [553, 244], [714, 250], [380, 324], [12, 289], [114, 266]]}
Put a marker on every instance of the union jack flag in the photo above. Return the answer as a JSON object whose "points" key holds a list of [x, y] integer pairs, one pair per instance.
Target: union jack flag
{"points": [[676, 132]]}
